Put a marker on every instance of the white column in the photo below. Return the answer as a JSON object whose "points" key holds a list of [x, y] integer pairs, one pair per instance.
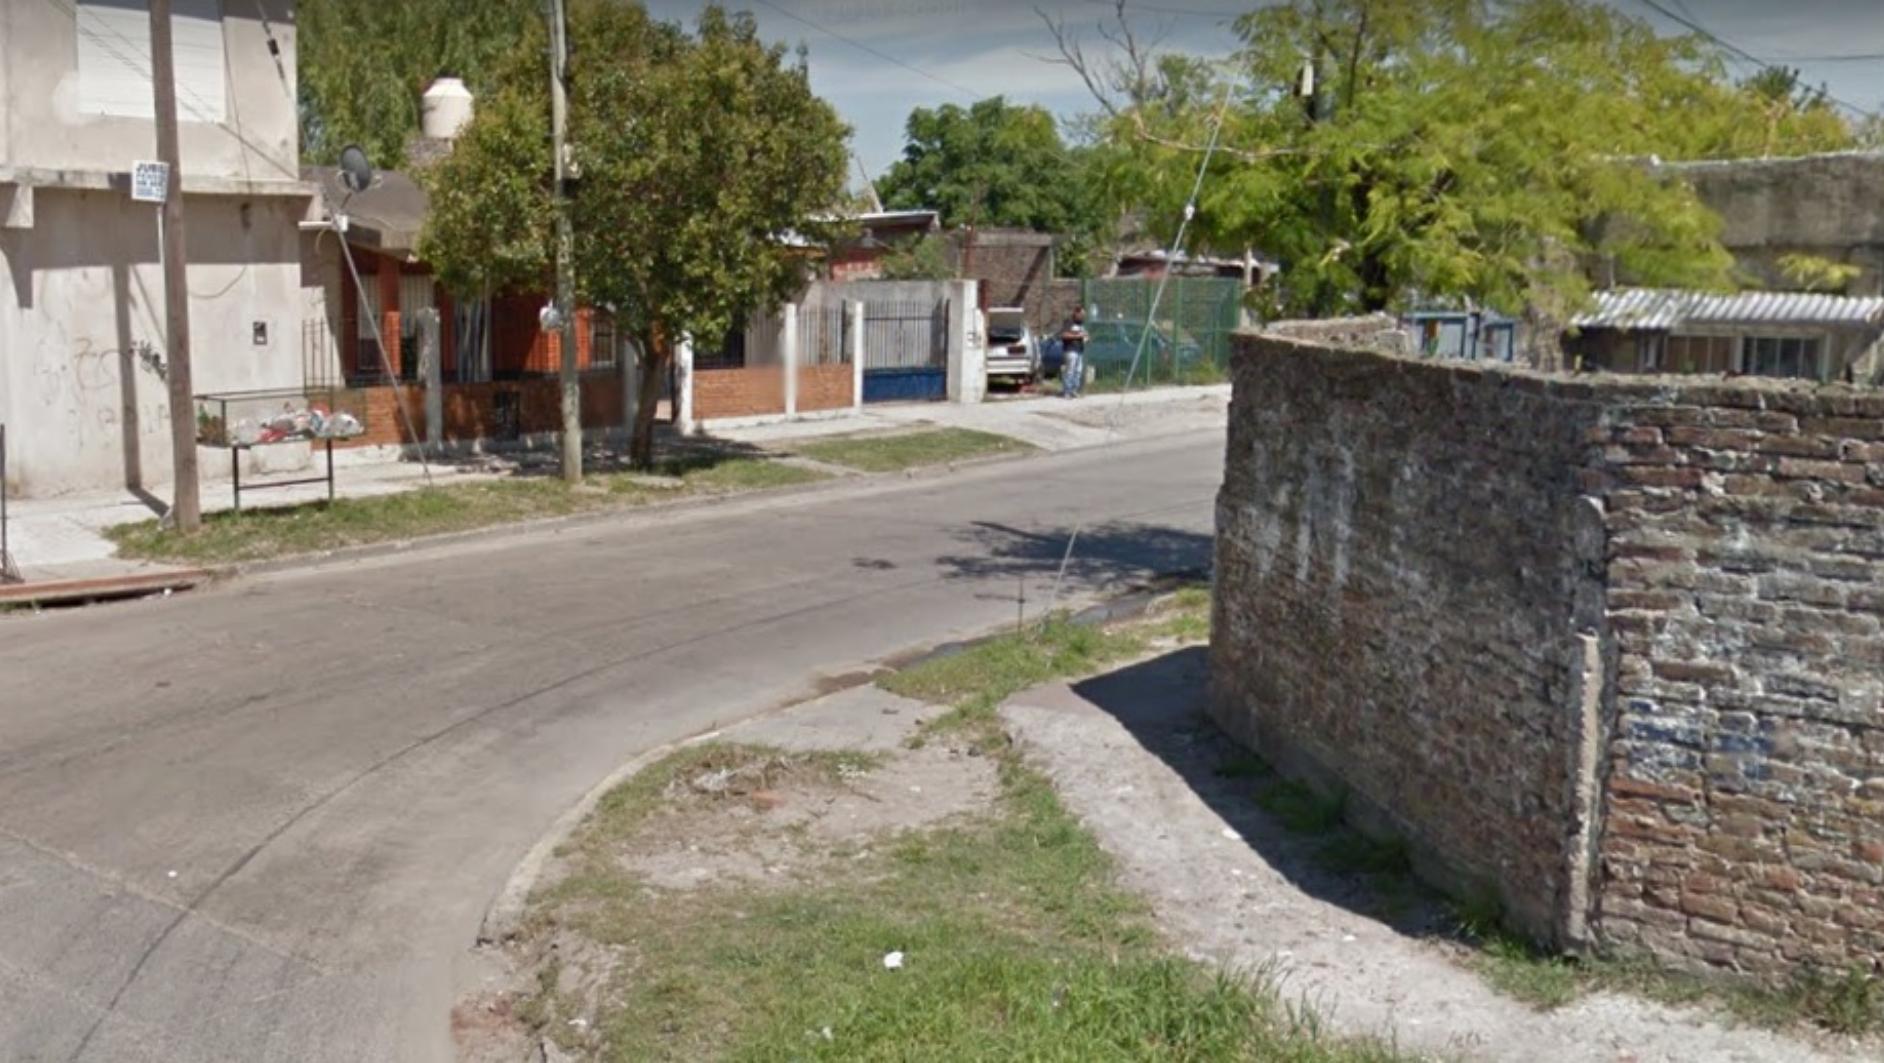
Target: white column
{"points": [[683, 384], [854, 311], [788, 355], [968, 365]]}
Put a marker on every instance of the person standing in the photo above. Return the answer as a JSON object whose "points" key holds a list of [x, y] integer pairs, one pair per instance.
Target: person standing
{"points": [[1073, 344]]}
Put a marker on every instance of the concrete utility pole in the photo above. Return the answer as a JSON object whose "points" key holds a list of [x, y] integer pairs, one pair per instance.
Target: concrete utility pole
{"points": [[185, 507], [565, 250]]}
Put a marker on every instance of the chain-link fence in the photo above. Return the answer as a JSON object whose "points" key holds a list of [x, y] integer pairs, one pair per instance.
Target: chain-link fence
{"points": [[1189, 342]]}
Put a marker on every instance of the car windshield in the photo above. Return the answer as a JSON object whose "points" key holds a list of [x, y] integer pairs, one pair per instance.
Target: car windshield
{"points": [[1006, 333]]}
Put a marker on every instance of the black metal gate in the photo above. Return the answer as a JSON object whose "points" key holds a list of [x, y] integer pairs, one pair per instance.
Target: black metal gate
{"points": [[906, 351]]}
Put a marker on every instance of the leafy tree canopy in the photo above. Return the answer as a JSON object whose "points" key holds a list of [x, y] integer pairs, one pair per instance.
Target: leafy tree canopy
{"points": [[1454, 149], [701, 156], [363, 64], [996, 164]]}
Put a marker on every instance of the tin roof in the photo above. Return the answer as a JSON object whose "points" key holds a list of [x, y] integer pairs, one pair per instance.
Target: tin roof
{"points": [[1660, 309]]}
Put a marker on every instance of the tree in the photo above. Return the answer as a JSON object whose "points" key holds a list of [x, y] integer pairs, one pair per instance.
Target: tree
{"points": [[364, 64], [1455, 150], [925, 258], [996, 164], [699, 155]]}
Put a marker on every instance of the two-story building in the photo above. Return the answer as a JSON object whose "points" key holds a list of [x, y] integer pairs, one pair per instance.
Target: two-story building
{"points": [[81, 287]]}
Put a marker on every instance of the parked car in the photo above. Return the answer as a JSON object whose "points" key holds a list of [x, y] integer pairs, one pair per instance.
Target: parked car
{"points": [[1013, 353]]}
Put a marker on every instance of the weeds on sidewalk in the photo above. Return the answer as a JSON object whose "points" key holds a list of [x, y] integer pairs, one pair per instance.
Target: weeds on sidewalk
{"points": [[1850, 1004], [908, 450], [260, 534]]}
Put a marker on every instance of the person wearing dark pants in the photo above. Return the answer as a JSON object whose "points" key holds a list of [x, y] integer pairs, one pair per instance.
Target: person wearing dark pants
{"points": [[1073, 343]]}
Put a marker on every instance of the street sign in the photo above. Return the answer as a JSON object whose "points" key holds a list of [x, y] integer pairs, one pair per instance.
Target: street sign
{"points": [[150, 182]]}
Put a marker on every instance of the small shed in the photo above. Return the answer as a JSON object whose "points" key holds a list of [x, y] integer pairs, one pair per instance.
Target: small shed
{"points": [[1804, 335]]}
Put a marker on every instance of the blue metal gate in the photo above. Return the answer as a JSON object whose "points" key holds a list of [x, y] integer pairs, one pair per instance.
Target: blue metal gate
{"points": [[906, 351]]}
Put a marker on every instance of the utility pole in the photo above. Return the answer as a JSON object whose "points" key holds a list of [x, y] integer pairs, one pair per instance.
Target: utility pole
{"points": [[565, 249], [185, 507]]}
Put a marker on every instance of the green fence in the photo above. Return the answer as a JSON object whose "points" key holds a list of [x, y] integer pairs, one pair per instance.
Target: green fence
{"points": [[1189, 341]]}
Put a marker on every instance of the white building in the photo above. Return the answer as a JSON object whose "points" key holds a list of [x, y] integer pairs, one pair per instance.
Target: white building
{"points": [[81, 288]]}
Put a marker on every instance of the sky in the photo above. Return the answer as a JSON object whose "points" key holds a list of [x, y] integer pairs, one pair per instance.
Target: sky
{"points": [[876, 60]]}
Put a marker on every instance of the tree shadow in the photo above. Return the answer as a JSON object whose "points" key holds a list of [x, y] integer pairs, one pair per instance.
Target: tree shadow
{"points": [[1106, 555], [1162, 703], [674, 455]]}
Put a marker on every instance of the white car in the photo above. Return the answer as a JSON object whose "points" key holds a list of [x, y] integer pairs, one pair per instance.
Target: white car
{"points": [[1013, 353]]}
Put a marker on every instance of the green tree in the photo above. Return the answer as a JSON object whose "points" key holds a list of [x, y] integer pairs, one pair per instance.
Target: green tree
{"points": [[925, 258], [700, 155], [363, 65], [1457, 149], [996, 164]]}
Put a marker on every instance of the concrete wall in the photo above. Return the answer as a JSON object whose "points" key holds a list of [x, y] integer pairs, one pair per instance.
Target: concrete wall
{"points": [[41, 126], [1831, 206], [1611, 646], [82, 289]]}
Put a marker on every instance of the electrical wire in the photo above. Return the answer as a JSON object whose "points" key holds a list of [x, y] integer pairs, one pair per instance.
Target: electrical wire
{"points": [[1144, 337], [1733, 49]]}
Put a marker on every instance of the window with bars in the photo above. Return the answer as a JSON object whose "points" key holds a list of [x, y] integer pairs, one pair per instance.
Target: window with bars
{"points": [[1699, 354], [1783, 356], [604, 341]]}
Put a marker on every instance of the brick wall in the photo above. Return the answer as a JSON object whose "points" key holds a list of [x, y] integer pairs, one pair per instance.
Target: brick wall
{"points": [[470, 410], [1746, 590], [751, 392], [824, 387], [1395, 562], [1611, 646]]}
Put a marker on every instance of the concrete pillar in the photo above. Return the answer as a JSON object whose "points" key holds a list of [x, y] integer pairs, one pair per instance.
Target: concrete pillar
{"points": [[431, 368], [683, 386], [854, 313], [968, 355], [788, 354]]}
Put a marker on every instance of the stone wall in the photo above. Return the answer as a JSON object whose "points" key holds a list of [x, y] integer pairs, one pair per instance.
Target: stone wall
{"points": [[1611, 647]]}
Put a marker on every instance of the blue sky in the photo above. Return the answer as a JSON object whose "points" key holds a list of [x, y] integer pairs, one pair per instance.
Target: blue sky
{"points": [[967, 49]]}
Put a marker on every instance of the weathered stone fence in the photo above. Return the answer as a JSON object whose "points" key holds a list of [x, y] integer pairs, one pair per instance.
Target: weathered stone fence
{"points": [[1612, 647]]}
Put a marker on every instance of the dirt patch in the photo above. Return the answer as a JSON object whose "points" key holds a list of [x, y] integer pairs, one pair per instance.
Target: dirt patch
{"points": [[780, 830]]}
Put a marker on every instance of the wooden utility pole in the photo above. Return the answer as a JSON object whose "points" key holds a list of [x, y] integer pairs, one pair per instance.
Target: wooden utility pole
{"points": [[185, 506], [565, 249]]}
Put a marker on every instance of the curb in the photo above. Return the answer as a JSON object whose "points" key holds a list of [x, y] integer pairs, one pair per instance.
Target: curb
{"points": [[503, 918], [102, 588], [837, 484]]}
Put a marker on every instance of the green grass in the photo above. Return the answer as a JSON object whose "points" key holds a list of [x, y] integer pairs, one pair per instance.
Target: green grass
{"points": [[260, 534], [1851, 1004], [907, 450], [1019, 942]]}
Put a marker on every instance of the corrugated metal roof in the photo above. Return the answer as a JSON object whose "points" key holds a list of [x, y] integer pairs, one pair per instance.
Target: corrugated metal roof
{"points": [[1664, 309]]}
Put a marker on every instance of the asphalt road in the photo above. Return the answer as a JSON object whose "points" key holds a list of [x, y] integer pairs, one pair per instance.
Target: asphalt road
{"points": [[263, 822]]}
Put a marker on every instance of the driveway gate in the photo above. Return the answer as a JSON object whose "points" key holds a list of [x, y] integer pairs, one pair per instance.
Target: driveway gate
{"points": [[906, 351]]}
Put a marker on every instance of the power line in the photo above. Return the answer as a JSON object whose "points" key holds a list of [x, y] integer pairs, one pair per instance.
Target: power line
{"points": [[1735, 50], [879, 53]]}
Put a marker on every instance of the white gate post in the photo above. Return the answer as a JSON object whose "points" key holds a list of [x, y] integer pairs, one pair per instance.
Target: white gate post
{"points": [[855, 312], [683, 371], [968, 366], [788, 354]]}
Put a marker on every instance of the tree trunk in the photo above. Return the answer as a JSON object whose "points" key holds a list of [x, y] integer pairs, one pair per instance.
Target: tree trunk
{"points": [[656, 356]]}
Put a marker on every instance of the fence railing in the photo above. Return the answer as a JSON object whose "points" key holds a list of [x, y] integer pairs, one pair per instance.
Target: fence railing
{"points": [[905, 335], [822, 331]]}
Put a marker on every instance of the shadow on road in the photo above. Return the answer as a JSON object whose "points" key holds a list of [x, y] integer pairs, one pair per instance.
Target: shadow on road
{"points": [[1106, 555], [1161, 702]]}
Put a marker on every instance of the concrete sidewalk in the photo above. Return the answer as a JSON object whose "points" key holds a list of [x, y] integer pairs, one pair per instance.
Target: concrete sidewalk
{"points": [[62, 538]]}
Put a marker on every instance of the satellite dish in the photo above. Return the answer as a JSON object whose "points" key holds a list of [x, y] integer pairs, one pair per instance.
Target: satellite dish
{"points": [[356, 170]]}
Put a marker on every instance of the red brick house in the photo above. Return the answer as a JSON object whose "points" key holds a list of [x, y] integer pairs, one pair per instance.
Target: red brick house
{"points": [[497, 366]]}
